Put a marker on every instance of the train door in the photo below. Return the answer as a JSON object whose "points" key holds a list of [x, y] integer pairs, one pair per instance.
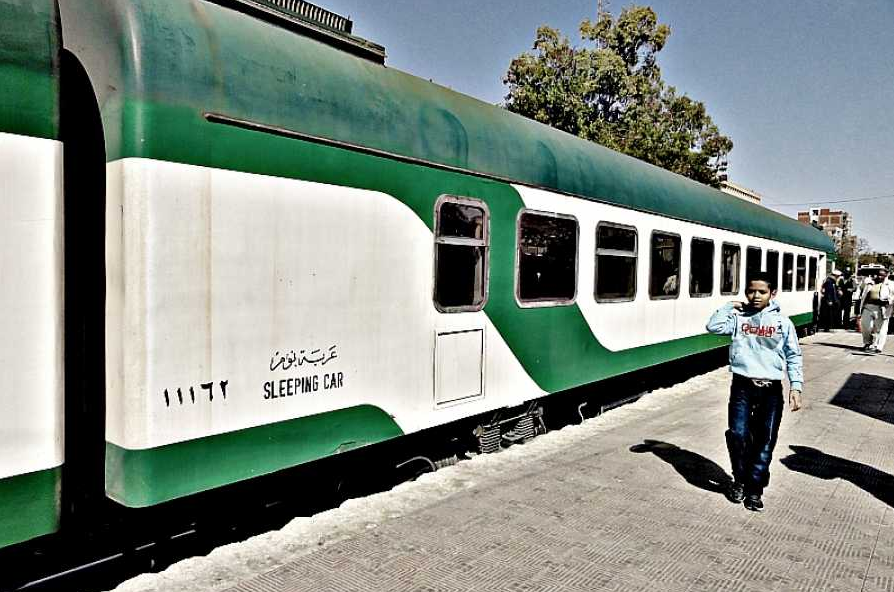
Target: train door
{"points": [[462, 235]]}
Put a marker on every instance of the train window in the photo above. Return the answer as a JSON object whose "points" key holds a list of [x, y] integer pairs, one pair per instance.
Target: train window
{"points": [[752, 262], [773, 265], [701, 267], [788, 264], [730, 264], [801, 277], [664, 277], [461, 254], [546, 266], [615, 263], [811, 275]]}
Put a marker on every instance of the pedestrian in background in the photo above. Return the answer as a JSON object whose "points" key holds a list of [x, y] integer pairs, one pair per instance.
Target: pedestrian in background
{"points": [[828, 301], [763, 341], [876, 304], [891, 305], [846, 288], [863, 284]]}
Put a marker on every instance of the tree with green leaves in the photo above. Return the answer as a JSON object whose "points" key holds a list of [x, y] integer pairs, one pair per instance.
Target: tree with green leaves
{"points": [[610, 91]]}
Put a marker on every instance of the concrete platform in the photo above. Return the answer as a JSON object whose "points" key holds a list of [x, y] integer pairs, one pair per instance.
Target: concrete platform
{"points": [[628, 501]]}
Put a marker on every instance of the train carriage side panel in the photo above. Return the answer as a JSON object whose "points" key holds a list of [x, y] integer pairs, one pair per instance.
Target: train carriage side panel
{"points": [[644, 327], [31, 362], [266, 322]]}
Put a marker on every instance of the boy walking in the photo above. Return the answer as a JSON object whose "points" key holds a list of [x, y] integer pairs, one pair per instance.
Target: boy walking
{"points": [[763, 339]]}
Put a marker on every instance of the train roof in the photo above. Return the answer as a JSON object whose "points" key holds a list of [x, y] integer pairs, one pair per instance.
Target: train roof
{"points": [[248, 70], [398, 113]]}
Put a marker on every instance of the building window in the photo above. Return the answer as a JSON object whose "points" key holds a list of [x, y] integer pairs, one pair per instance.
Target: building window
{"points": [[802, 273], [461, 254], [701, 267], [811, 275], [788, 264], [752, 262], [546, 272], [664, 277], [730, 266], [616, 248], [773, 266]]}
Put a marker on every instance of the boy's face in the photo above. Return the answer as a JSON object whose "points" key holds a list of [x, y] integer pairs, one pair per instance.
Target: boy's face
{"points": [[759, 294]]}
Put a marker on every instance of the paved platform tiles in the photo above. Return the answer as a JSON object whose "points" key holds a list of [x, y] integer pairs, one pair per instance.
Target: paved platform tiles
{"points": [[631, 501]]}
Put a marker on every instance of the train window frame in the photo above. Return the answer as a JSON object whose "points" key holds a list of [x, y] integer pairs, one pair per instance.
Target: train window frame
{"points": [[543, 303], [738, 274], [483, 242], [676, 295], [800, 273], [767, 263], [616, 253], [750, 249], [791, 287], [691, 267], [812, 264]]}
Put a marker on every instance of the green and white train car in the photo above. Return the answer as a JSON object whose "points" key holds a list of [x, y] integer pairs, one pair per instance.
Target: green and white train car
{"points": [[234, 242]]}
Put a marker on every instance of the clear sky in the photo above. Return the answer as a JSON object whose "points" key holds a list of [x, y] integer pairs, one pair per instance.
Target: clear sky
{"points": [[805, 88]]}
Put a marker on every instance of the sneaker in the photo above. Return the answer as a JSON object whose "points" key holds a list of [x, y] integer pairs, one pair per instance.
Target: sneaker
{"points": [[753, 502], [867, 347], [736, 492]]}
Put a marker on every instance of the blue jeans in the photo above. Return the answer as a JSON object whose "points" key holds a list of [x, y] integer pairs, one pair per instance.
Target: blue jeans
{"points": [[754, 416]]}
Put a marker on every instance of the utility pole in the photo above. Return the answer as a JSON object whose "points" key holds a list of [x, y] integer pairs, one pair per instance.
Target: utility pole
{"points": [[601, 8]]}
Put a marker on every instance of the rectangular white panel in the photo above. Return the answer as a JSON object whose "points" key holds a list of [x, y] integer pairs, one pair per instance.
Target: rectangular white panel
{"points": [[30, 304], [458, 365]]}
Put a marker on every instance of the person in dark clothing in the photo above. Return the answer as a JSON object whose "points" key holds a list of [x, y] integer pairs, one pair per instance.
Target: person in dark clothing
{"points": [[846, 289], [828, 303], [814, 320]]}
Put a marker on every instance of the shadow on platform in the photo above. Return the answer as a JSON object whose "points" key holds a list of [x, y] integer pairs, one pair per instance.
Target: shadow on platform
{"points": [[695, 468], [868, 395], [816, 463], [855, 348]]}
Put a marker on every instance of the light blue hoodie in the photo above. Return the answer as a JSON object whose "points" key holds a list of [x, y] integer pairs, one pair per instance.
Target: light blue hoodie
{"points": [[761, 342]]}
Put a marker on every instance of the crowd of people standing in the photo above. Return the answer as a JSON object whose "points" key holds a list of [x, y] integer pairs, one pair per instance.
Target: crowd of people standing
{"points": [[871, 298]]}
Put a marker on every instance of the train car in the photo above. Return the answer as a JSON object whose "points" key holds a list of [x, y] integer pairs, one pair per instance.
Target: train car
{"points": [[234, 241]]}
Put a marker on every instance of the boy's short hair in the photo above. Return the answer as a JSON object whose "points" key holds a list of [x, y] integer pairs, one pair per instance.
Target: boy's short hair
{"points": [[761, 276]]}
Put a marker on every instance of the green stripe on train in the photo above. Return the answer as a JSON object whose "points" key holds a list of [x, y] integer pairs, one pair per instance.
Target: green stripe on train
{"points": [[802, 319], [29, 68], [29, 506], [140, 478]]}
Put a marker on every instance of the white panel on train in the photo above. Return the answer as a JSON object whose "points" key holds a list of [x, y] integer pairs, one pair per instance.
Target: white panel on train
{"points": [[459, 365], [31, 353], [237, 300]]}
